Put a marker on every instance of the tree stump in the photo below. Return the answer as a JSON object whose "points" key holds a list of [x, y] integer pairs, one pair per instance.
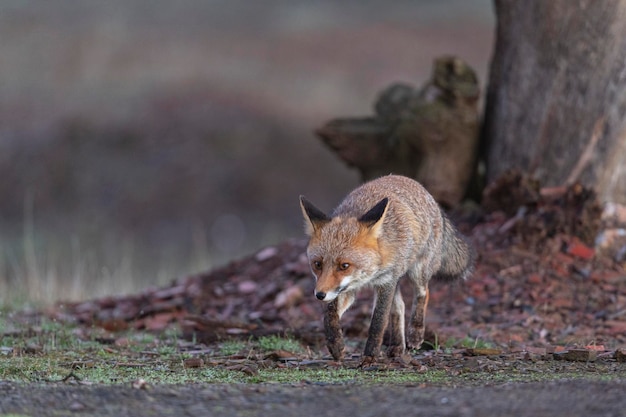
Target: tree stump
{"points": [[429, 134]]}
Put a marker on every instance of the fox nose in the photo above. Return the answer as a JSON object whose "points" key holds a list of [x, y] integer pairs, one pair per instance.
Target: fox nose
{"points": [[320, 295]]}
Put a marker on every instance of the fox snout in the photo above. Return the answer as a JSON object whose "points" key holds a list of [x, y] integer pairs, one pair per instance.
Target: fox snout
{"points": [[329, 294], [326, 296]]}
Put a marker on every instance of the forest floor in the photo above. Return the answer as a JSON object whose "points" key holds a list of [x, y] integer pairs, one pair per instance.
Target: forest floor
{"points": [[540, 329]]}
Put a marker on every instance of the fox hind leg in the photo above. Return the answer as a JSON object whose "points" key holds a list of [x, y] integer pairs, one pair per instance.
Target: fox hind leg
{"points": [[397, 341], [417, 324]]}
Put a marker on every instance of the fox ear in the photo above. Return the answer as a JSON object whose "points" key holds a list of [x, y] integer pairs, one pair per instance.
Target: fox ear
{"points": [[375, 217], [314, 218]]}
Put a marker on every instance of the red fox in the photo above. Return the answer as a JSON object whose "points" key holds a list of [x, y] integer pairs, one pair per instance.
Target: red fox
{"points": [[383, 230]]}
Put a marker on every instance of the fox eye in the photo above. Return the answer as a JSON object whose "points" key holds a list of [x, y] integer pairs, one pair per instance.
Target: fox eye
{"points": [[317, 265], [343, 266]]}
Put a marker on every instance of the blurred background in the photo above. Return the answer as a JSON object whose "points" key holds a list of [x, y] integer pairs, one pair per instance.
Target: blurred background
{"points": [[145, 140]]}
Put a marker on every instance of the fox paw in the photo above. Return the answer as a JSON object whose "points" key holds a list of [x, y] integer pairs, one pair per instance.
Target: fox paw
{"points": [[414, 342], [413, 347], [395, 351], [337, 351], [367, 362]]}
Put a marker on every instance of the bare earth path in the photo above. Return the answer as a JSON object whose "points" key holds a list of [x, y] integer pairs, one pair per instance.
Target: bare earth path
{"points": [[565, 398]]}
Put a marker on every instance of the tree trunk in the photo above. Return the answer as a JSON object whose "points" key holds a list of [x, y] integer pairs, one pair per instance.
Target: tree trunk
{"points": [[556, 103]]}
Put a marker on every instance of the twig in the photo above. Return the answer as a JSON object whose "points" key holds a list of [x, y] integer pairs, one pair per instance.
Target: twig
{"points": [[67, 377], [509, 224], [586, 155], [71, 375]]}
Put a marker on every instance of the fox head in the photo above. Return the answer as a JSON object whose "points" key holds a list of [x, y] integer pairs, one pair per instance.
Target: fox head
{"points": [[344, 252]]}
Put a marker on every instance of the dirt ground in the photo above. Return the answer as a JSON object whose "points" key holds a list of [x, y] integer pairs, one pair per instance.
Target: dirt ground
{"points": [[543, 301], [539, 283], [562, 398]]}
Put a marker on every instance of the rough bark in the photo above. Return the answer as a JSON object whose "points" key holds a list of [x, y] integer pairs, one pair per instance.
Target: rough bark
{"points": [[556, 101]]}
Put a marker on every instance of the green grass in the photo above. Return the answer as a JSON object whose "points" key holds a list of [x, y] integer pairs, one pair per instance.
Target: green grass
{"points": [[113, 371], [50, 352], [39, 266], [231, 347], [467, 342], [271, 343]]}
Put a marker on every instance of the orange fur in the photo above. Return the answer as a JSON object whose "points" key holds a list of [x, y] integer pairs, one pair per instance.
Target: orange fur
{"points": [[384, 230]]}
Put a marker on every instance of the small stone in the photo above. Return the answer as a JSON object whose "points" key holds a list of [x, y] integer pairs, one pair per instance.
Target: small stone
{"points": [[77, 406], [139, 384]]}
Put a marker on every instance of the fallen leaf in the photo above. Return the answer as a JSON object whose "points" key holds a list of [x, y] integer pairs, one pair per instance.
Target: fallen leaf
{"points": [[581, 250], [281, 355], [288, 297], [193, 363], [577, 355], [483, 352], [597, 348]]}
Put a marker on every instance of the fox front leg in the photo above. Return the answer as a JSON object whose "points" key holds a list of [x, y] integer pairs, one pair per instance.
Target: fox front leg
{"points": [[380, 317], [334, 311], [332, 328]]}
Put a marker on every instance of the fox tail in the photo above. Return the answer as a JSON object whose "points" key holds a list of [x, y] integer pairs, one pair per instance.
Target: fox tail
{"points": [[458, 256]]}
